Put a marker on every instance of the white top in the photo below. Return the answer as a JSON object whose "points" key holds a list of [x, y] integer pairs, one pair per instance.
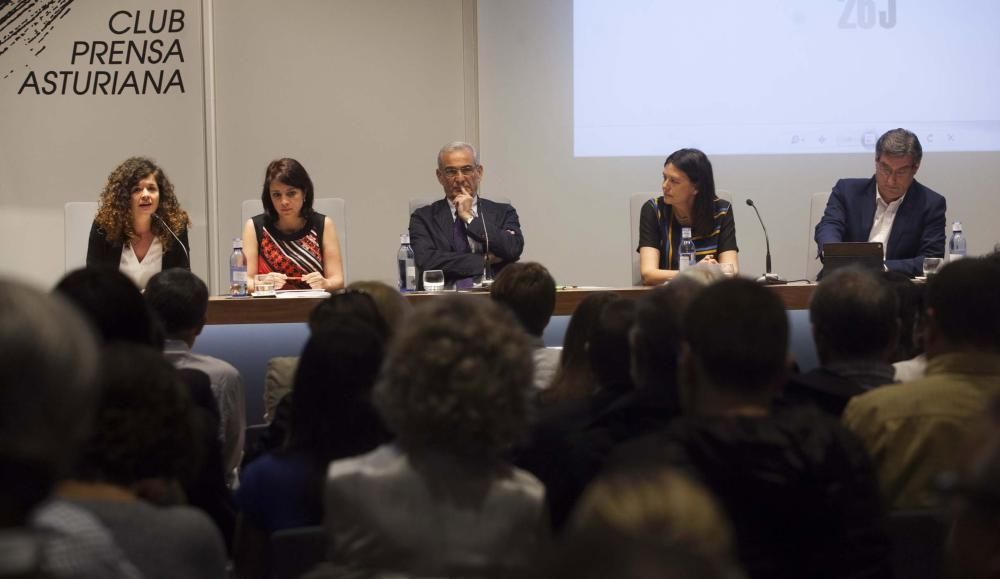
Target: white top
{"points": [[885, 215], [141, 271]]}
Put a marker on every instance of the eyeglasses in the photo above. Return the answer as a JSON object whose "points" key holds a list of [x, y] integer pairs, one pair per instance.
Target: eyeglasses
{"points": [[901, 173], [466, 171]]}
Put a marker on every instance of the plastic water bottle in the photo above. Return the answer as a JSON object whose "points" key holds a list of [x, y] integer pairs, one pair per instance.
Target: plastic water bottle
{"points": [[407, 265], [238, 270], [686, 249], [956, 243]]}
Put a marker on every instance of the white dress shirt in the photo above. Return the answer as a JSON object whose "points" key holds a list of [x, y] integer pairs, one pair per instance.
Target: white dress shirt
{"points": [[885, 215]]}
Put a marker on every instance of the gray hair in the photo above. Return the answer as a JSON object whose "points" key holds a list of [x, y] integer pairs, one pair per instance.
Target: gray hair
{"points": [[458, 146], [897, 143], [47, 389]]}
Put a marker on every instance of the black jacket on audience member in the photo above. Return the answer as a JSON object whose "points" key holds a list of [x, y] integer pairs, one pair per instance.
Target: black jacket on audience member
{"points": [[800, 490]]}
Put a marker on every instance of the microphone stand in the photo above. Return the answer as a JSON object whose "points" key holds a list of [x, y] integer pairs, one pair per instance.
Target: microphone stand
{"points": [[768, 278]]}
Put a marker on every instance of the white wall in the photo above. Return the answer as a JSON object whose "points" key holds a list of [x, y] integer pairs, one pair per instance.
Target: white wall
{"points": [[575, 211]]}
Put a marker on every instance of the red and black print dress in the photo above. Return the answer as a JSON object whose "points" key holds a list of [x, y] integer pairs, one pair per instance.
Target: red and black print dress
{"points": [[293, 254]]}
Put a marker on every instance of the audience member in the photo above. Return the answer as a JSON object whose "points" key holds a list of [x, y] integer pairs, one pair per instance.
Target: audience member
{"points": [[331, 418], [529, 290], [799, 490], [116, 307], [855, 324], [912, 431], [909, 361], [575, 378], [974, 493], [375, 306], [440, 501], [112, 303], [129, 474], [47, 401], [180, 301], [563, 449]]}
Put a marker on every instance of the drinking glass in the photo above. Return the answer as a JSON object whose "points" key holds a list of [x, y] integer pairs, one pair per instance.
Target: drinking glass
{"points": [[263, 285], [932, 265], [433, 280]]}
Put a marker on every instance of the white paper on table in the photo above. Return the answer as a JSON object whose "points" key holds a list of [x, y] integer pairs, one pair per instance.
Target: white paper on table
{"points": [[303, 293]]}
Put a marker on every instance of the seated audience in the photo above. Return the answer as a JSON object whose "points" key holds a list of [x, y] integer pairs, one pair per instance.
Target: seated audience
{"points": [[855, 324], [562, 449], [332, 417], [530, 292], [391, 306], [909, 361], [974, 500], [140, 227], [291, 242], [143, 439], [912, 430], [439, 501], [117, 309], [180, 301], [47, 401], [799, 490], [688, 201], [574, 378]]}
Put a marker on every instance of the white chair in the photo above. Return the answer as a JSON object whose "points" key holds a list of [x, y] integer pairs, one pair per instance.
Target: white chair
{"points": [[635, 203], [816, 208], [332, 207], [79, 218]]}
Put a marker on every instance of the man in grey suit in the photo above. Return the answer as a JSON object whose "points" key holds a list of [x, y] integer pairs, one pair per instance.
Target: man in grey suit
{"points": [[463, 234]]}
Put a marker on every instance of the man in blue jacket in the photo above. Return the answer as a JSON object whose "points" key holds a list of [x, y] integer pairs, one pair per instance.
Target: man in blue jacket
{"points": [[891, 207]]}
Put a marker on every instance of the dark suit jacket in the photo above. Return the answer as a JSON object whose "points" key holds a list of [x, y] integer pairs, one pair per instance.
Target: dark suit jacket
{"points": [[431, 238], [917, 232], [103, 253]]}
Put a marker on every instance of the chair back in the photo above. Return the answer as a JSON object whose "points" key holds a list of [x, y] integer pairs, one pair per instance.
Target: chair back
{"points": [[332, 207], [295, 551], [817, 206], [635, 203], [79, 217]]}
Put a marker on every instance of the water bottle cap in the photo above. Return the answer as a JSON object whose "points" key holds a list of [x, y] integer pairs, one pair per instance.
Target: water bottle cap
{"points": [[685, 232], [957, 226], [237, 243], [404, 238]]}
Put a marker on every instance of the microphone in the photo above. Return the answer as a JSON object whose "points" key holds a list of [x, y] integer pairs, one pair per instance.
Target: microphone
{"points": [[768, 278], [487, 269], [171, 231]]}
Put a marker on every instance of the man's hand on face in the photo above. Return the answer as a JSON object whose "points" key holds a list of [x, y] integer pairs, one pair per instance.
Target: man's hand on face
{"points": [[463, 204]]}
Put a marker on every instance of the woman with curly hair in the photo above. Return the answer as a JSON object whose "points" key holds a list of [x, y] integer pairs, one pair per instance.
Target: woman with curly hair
{"points": [[140, 227], [297, 246], [440, 501]]}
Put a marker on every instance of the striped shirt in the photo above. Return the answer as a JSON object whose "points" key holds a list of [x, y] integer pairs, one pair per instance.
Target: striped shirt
{"points": [[659, 229]]}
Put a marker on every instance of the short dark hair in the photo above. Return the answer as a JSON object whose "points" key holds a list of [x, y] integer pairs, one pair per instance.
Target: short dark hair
{"points": [[179, 298], [899, 142], [738, 332], [144, 426], [855, 315], [456, 379], [291, 173], [964, 304], [609, 350], [529, 290], [697, 167], [113, 304]]}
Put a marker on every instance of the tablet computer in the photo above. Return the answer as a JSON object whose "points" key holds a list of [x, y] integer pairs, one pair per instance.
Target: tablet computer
{"points": [[867, 254]]}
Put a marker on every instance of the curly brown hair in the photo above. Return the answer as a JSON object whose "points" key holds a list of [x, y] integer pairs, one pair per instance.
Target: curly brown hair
{"points": [[114, 215], [456, 379]]}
